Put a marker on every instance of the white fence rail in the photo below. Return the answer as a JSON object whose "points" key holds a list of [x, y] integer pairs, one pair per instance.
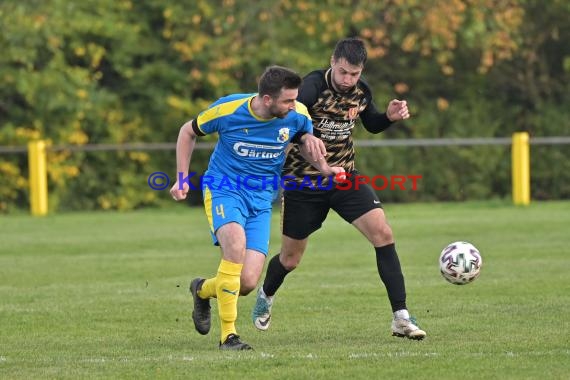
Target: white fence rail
{"points": [[556, 140]]}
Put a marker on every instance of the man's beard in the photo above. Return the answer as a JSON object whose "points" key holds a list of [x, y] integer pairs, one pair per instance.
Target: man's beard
{"points": [[280, 115]]}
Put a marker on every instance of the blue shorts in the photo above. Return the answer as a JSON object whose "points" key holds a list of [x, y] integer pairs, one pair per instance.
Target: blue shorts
{"points": [[252, 213]]}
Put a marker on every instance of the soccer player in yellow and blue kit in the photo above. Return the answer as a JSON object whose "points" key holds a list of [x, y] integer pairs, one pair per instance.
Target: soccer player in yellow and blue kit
{"points": [[254, 131]]}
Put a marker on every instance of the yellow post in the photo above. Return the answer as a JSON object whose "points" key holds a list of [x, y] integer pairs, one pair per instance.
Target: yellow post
{"points": [[38, 177], [521, 168]]}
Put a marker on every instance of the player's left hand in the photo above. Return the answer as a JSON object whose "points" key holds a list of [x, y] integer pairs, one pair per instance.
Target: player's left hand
{"points": [[315, 147], [338, 173], [397, 110]]}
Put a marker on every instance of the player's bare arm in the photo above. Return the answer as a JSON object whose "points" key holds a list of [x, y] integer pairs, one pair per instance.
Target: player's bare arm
{"points": [[184, 148], [313, 147], [320, 163]]}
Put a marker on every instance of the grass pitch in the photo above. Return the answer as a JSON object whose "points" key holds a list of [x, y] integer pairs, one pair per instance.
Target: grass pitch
{"points": [[105, 295]]}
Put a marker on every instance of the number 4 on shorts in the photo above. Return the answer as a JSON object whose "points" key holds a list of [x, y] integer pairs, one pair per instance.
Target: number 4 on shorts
{"points": [[220, 211]]}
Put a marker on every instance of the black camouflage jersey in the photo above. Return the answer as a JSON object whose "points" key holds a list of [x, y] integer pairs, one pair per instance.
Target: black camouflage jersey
{"points": [[334, 116]]}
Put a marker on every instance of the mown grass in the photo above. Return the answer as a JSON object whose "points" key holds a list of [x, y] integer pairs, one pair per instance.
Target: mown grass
{"points": [[104, 295]]}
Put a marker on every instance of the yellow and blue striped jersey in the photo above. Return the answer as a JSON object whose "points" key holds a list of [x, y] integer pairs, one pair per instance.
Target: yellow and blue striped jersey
{"points": [[248, 145]]}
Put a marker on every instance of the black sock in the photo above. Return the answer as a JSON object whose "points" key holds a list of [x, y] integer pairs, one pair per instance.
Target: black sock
{"points": [[391, 275], [274, 277]]}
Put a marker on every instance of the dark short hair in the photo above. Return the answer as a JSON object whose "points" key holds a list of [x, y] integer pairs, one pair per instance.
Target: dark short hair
{"points": [[351, 49], [276, 78]]}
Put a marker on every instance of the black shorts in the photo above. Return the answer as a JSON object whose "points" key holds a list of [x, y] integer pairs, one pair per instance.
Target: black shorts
{"points": [[304, 211]]}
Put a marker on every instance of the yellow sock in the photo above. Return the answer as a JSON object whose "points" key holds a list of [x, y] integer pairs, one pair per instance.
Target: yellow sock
{"points": [[227, 291], [208, 289]]}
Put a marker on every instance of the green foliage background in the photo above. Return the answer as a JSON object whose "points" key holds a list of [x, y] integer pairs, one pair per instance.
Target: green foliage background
{"points": [[121, 71]]}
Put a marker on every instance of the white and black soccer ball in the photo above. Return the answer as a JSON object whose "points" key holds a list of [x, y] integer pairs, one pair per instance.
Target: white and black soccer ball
{"points": [[460, 263]]}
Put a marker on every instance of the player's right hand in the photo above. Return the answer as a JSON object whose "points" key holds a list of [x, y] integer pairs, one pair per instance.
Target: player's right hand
{"points": [[179, 193]]}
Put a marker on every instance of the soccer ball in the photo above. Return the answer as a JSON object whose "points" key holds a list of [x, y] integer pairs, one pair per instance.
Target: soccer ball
{"points": [[460, 263]]}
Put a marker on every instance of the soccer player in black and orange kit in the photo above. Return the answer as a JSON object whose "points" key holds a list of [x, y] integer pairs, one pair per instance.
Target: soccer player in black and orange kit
{"points": [[335, 98]]}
